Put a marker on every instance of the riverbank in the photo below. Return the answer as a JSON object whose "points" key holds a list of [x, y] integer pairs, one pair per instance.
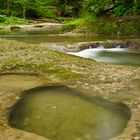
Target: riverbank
{"points": [[33, 27], [123, 25], [113, 82], [107, 26]]}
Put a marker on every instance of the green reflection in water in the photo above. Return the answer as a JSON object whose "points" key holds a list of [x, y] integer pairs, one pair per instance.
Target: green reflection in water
{"points": [[37, 37], [61, 113]]}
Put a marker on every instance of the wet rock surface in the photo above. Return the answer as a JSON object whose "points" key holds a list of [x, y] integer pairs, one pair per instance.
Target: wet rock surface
{"points": [[79, 46], [113, 82]]}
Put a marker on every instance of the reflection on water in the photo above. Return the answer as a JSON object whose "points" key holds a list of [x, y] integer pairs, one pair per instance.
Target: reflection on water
{"points": [[113, 55], [61, 113], [38, 37], [43, 37]]}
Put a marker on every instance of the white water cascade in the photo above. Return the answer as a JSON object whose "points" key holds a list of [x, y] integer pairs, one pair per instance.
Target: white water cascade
{"points": [[110, 55]]}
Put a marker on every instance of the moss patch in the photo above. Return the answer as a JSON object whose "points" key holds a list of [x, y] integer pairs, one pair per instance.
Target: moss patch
{"points": [[21, 57], [17, 56]]}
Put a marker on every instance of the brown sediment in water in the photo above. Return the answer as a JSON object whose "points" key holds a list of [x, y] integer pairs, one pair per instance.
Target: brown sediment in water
{"points": [[10, 96], [50, 111]]}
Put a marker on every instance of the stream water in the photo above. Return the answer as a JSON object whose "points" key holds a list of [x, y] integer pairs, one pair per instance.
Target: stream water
{"points": [[38, 37], [121, 56], [59, 42], [61, 113]]}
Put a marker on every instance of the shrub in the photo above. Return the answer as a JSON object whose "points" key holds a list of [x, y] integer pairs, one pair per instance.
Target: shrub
{"points": [[72, 25], [129, 27], [119, 10], [4, 20]]}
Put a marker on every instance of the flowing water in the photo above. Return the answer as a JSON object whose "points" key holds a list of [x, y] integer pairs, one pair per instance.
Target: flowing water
{"points": [[61, 113], [114, 55]]}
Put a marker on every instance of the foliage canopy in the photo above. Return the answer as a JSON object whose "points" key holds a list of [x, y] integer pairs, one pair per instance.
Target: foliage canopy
{"points": [[68, 8]]}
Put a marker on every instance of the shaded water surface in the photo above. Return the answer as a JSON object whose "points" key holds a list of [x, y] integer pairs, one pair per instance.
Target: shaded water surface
{"points": [[37, 37], [61, 113], [44, 37]]}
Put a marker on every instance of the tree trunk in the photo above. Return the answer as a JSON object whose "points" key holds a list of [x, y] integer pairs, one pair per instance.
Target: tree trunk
{"points": [[58, 8], [8, 8], [24, 12], [66, 2]]}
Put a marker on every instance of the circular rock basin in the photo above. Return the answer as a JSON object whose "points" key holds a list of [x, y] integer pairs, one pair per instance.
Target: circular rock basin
{"points": [[62, 113]]}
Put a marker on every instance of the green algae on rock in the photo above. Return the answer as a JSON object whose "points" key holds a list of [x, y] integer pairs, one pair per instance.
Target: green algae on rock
{"points": [[113, 82], [18, 81]]}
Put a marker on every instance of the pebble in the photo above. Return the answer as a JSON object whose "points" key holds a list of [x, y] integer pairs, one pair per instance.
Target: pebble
{"points": [[54, 107], [139, 107], [78, 82], [86, 84], [115, 79], [102, 79], [137, 138], [4, 125], [17, 97]]}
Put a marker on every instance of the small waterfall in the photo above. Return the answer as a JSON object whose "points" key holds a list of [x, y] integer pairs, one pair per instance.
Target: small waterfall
{"points": [[116, 55]]}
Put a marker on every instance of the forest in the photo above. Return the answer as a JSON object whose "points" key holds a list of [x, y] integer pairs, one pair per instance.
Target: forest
{"points": [[98, 17], [68, 8], [69, 69]]}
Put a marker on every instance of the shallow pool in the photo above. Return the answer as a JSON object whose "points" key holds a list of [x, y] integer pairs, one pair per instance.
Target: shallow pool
{"points": [[62, 113]]}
